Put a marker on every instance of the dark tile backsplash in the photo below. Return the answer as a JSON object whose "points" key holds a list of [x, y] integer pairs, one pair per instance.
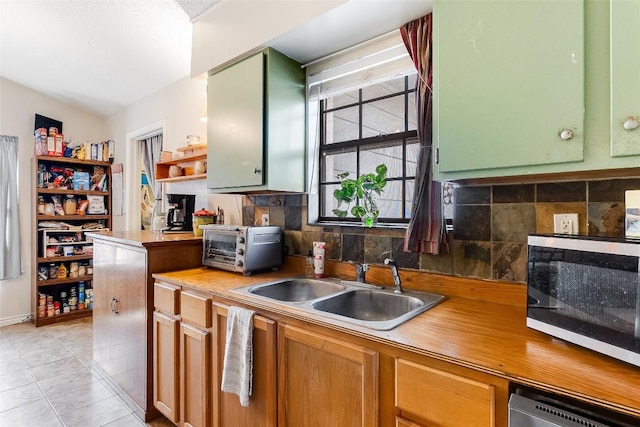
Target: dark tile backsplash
{"points": [[491, 224]]}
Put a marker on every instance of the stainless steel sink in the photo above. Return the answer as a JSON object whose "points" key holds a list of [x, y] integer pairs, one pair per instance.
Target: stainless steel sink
{"points": [[296, 290], [377, 309], [364, 305]]}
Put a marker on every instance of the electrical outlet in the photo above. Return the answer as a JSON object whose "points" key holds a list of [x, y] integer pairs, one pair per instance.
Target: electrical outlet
{"points": [[265, 220], [565, 223]]}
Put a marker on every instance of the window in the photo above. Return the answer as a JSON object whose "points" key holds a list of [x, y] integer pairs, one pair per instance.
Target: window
{"points": [[361, 113], [363, 128]]}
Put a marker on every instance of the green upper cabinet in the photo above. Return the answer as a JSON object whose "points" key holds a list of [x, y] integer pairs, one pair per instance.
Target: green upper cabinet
{"points": [[508, 80], [625, 77], [256, 125]]}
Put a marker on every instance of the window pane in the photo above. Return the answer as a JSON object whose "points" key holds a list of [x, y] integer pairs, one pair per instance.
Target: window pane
{"points": [[413, 150], [383, 117], [411, 115], [339, 162], [408, 206], [390, 201], [329, 202], [341, 125], [342, 99], [390, 154], [383, 89]]}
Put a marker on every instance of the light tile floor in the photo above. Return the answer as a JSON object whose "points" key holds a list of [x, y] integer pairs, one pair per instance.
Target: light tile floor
{"points": [[46, 380]]}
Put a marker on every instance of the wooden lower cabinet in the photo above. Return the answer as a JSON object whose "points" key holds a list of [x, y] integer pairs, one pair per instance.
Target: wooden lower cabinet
{"points": [[404, 423], [324, 381], [447, 395], [195, 359], [307, 377], [166, 367], [262, 409], [195, 376]]}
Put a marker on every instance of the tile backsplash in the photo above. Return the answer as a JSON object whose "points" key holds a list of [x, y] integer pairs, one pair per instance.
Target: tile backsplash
{"points": [[490, 224]]}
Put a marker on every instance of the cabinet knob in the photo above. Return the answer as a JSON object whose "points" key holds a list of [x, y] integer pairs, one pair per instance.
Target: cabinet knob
{"points": [[256, 170], [631, 123], [566, 134]]}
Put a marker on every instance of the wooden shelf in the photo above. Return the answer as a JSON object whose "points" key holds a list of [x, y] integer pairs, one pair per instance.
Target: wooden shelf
{"points": [[186, 163], [183, 160], [74, 224], [74, 192], [86, 217], [53, 282], [63, 317], [64, 258], [183, 178], [72, 160]]}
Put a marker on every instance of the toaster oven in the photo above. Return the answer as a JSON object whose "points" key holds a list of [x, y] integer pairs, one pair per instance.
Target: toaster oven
{"points": [[243, 249]]}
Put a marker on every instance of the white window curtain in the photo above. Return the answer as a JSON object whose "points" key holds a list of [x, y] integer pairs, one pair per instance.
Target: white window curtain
{"points": [[377, 60], [151, 148], [10, 262]]}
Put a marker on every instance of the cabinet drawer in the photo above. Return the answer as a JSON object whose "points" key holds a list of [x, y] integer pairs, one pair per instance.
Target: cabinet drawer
{"points": [[166, 298], [195, 308], [437, 396]]}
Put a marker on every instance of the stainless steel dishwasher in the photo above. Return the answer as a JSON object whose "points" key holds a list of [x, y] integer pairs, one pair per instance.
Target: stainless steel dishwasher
{"points": [[533, 410]]}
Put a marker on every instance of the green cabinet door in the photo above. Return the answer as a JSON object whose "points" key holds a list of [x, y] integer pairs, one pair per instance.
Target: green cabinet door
{"points": [[235, 125], [625, 76], [508, 79]]}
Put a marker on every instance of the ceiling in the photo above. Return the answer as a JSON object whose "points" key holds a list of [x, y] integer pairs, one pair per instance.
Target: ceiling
{"points": [[103, 55]]}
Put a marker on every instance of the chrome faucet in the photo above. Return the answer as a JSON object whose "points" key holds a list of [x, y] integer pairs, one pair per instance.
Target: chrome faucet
{"points": [[394, 272], [361, 272]]}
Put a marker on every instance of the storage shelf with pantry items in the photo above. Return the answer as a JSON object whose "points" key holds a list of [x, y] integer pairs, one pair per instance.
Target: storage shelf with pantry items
{"points": [[72, 197]]}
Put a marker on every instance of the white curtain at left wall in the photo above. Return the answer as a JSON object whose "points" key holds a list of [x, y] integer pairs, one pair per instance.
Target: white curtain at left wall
{"points": [[10, 263]]}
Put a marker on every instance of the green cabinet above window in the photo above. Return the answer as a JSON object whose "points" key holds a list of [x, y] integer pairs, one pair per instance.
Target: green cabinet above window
{"points": [[508, 81], [625, 77], [256, 125]]}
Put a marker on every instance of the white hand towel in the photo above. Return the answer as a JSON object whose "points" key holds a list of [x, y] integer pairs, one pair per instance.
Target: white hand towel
{"points": [[238, 354]]}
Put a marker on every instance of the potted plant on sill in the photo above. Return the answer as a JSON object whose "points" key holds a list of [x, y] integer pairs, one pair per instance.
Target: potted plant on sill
{"points": [[363, 192]]}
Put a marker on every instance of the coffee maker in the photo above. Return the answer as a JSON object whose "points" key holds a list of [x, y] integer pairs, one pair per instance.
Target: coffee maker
{"points": [[180, 213]]}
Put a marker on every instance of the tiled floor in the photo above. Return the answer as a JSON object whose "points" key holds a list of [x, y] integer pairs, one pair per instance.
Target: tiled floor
{"points": [[46, 380]]}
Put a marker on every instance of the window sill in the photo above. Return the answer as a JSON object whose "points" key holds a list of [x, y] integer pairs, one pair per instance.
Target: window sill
{"points": [[382, 225]]}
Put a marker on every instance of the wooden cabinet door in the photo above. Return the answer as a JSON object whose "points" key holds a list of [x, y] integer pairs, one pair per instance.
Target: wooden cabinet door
{"points": [[323, 381], [625, 76], [262, 409], [166, 365], [195, 376], [442, 398], [508, 77], [235, 125]]}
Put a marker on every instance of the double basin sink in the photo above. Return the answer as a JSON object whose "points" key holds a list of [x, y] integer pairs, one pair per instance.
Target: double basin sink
{"points": [[361, 304]]}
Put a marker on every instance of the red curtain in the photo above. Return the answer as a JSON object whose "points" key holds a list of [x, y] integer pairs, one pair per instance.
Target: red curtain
{"points": [[427, 230]]}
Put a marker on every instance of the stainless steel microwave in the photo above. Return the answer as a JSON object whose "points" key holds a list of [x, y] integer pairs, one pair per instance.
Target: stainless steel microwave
{"points": [[586, 290]]}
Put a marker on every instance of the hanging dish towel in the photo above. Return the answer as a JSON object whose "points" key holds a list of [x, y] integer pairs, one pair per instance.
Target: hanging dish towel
{"points": [[238, 354]]}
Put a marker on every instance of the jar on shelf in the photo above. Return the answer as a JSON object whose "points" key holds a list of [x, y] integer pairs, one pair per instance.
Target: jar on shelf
{"points": [[40, 205], [70, 205]]}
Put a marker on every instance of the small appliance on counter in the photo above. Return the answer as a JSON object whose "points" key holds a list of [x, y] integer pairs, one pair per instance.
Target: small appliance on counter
{"points": [[586, 290], [243, 249], [180, 213]]}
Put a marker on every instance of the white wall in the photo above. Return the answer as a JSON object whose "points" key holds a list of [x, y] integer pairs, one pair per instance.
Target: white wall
{"points": [[234, 27], [180, 106], [18, 106]]}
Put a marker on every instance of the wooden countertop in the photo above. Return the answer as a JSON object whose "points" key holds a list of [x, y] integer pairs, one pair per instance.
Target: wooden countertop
{"points": [[477, 333], [146, 238]]}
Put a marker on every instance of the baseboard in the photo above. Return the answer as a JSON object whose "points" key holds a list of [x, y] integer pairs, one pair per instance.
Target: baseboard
{"points": [[15, 320]]}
